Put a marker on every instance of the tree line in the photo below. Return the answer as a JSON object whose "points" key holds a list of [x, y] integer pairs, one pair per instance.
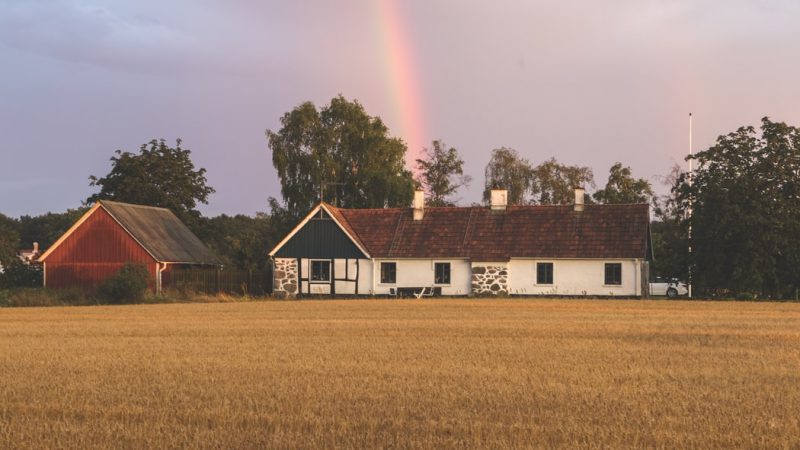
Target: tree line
{"points": [[739, 209]]}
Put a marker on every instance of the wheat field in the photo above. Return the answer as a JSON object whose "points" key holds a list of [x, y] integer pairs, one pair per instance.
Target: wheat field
{"points": [[400, 374]]}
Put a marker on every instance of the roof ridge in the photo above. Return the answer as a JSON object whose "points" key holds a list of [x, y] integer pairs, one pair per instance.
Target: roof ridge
{"points": [[397, 208], [133, 205], [618, 204], [481, 207]]}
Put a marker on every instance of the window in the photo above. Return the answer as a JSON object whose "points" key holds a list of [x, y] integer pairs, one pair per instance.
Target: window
{"points": [[388, 272], [320, 271], [544, 273], [613, 273], [441, 273]]}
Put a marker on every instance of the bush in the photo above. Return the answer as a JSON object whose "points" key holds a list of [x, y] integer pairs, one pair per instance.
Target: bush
{"points": [[18, 274], [19, 297], [129, 285], [746, 296]]}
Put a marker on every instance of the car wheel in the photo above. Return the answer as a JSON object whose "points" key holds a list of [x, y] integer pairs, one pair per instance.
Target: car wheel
{"points": [[672, 292]]}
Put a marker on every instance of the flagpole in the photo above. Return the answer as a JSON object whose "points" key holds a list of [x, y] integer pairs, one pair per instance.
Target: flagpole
{"points": [[691, 176]]}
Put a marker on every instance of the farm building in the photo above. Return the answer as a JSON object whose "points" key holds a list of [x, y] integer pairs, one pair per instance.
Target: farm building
{"points": [[29, 255], [574, 250], [112, 234]]}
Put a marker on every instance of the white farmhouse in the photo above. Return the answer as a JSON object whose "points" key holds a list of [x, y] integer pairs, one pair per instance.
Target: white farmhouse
{"points": [[571, 250]]}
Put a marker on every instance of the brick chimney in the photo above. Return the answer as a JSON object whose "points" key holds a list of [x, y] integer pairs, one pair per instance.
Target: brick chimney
{"points": [[580, 194], [419, 205], [498, 200]]}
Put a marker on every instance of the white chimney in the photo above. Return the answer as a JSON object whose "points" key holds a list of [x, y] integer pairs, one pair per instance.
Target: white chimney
{"points": [[419, 204], [580, 193], [35, 248], [498, 199]]}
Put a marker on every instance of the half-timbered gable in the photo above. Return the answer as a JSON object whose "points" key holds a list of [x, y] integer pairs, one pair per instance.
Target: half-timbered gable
{"points": [[321, 256], [320, 237]]}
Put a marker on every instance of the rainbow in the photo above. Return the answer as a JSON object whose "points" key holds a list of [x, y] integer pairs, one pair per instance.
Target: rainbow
{"points": [[401, 76]]}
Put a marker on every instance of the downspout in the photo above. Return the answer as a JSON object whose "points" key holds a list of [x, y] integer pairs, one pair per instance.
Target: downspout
{"points": [[372, 291], [159, 269]]}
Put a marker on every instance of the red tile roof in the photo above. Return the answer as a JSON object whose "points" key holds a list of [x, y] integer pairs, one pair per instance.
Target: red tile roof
{"points": [[337, 215], [478, 233]]}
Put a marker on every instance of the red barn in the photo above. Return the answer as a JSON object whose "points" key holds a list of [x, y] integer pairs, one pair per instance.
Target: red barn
{"points": [[112, 234]]}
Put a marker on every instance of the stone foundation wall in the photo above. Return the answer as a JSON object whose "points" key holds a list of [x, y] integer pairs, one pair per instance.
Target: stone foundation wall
{"points": [[489, 280], [285, 277]]}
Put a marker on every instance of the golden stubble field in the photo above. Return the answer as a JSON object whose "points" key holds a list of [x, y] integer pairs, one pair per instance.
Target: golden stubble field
{"points": [[377, 373]]}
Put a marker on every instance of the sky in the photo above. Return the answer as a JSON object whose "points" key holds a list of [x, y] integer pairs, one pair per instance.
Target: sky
{"points": [[587, 82]]}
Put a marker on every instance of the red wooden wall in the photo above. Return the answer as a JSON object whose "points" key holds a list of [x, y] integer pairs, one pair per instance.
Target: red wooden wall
{"points": [[95, 251]]}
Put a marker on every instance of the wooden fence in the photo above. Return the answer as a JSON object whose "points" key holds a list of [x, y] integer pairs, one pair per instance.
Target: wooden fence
{"points": [[216, 281]]}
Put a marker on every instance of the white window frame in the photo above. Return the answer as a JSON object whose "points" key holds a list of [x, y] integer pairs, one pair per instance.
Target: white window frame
{"points": [[380, 281], [311, 271], [449, 270], [621, 280], [536, 273]]}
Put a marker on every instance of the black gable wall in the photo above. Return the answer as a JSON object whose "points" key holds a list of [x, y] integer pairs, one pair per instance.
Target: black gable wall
{"points": [[320, 237]]}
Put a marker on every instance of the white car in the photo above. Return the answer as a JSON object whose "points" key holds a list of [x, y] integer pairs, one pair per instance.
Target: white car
{"points": [[671, 287]]}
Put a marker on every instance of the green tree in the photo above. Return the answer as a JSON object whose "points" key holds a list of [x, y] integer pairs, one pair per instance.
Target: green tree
{"points": [[18, 274], [744, 199], [159, 175], [508, 170], [341, 152], [623, 188], [441, 173], [553, 183], [240, 241], [47, 228], [9, 240], [670, 245]]}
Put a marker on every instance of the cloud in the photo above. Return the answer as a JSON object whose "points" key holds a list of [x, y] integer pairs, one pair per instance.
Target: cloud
{"points": [[187, 37], [80, 32], [589, 82]]}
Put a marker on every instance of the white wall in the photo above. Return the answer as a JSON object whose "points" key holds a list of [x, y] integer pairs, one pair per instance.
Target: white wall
{"points": [[574, 277], [570, 277], [351, 270], [420, 273], [365, 277]]}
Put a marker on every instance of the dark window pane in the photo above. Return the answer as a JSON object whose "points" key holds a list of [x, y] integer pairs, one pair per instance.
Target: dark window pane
{"points": [[388, 272], [441, 273], [613, 273], [544, 273], [320, 271]]}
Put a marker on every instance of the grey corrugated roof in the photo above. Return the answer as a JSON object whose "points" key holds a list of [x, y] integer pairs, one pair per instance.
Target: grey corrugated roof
{"points": [[161, 233]]}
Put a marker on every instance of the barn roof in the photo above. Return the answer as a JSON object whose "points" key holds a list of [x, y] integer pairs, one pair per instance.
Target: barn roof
{"points": [[479, 233], [157, 230]]}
